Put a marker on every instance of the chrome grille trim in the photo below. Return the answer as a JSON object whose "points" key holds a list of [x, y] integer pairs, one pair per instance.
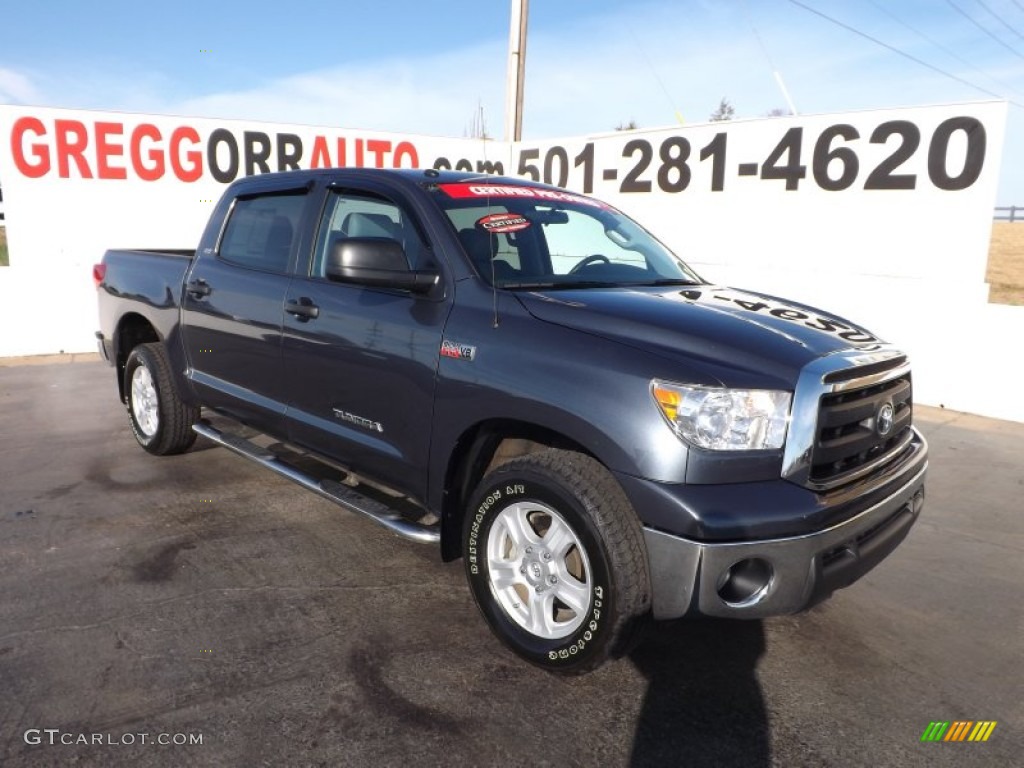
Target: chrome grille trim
{"points": [[811, 387]]}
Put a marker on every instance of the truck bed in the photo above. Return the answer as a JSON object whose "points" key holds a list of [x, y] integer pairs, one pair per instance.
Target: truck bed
{"points": [[145, 282]]}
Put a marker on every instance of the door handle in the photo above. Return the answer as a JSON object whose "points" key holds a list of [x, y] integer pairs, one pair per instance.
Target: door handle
{"points": [[302, 309], [198, 288]]}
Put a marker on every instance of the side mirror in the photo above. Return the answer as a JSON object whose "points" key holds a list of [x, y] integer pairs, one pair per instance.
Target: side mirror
{"points": [[376, 261]]}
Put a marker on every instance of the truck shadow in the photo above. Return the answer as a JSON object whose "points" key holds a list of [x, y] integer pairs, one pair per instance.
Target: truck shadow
{"points": [[703, 704]]}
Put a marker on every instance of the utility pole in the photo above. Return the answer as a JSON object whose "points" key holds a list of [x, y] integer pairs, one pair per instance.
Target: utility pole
{"points": [[516, 80]]}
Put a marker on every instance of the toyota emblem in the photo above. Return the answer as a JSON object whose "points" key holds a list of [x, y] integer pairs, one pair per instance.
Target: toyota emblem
{"points": [[884, 419]]}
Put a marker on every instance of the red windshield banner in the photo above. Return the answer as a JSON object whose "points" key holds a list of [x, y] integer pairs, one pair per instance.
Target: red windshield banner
{"points": [[463, 191]]}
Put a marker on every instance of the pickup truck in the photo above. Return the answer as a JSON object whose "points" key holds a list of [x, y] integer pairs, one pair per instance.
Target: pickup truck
{"points": [[527, 379]]}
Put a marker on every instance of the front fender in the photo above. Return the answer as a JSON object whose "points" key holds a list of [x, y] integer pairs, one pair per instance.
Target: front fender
{"points": [[592, 391]]}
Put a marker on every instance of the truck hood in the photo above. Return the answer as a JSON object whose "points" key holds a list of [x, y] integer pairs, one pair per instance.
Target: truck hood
{"points": [[731, 335]]}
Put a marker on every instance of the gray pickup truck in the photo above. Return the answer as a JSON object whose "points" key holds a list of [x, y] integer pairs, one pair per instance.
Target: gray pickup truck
{"points": [[529, 380]]}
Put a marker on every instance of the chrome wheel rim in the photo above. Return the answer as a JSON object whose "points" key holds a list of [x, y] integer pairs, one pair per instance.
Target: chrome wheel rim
{"points": [[538, 570], [145, 406]]}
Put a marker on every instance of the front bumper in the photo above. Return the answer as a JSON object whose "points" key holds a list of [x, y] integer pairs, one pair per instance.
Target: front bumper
{"points": [[770, 577]]}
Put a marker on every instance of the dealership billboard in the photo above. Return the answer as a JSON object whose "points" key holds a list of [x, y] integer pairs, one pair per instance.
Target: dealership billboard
{"points": [[882, 215]]}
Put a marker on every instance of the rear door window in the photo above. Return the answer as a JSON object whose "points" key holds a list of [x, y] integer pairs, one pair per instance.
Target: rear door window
{"points": [[262, 231]]}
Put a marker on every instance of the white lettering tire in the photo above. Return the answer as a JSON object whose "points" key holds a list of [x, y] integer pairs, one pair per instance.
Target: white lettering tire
{"points": [[556, 561]]}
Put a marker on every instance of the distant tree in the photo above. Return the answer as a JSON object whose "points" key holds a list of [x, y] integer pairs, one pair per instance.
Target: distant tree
{"points": [[630, 126], [778, 112], [725, 111], [477, 128]]}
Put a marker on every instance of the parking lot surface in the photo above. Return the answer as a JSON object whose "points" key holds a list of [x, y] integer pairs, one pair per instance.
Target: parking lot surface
{"points": [[199, 597]]}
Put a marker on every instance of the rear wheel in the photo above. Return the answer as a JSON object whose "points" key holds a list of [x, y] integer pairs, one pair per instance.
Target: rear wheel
{"points": [[556, 560], [160, 421]]}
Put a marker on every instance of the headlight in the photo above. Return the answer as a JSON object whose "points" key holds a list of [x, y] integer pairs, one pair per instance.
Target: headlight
{"points": [[725, 419]]}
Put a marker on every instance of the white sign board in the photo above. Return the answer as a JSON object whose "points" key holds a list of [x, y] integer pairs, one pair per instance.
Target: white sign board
{"points": [[76, 183], [878, 193], [880, 215]]}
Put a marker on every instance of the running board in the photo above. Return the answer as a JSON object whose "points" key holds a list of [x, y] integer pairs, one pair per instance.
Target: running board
{"points": [[340, 494]]}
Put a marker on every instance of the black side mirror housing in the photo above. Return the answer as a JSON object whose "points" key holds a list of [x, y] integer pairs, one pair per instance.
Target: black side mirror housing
{"points": [[378, 262]]}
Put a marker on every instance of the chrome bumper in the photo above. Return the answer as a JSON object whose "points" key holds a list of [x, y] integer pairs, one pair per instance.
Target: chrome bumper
{"points": [[778, 576]]}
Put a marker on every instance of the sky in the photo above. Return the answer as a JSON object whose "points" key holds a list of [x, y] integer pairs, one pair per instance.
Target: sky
{"points": [[592, 65]]}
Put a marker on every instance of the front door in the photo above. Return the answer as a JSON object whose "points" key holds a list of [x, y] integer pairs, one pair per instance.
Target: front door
{"points": [[360, 365]]}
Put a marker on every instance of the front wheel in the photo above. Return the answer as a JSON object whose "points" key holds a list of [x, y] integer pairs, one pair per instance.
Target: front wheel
{"points": [[160, 421], [556, 560]]}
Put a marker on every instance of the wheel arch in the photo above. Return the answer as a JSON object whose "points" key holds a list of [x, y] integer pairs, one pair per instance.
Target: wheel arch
{"points": [[132, 329], [479, 448]]}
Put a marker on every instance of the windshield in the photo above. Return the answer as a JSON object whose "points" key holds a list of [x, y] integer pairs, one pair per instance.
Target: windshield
{"points": [[531, 237]]}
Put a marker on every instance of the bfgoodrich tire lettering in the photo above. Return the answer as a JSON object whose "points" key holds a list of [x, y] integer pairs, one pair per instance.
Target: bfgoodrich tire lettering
{"points": [[556, 561], [160, 421]]}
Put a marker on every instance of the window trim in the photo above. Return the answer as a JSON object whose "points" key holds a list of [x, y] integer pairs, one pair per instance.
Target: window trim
{"points": [[338, 188], [303, 190]]}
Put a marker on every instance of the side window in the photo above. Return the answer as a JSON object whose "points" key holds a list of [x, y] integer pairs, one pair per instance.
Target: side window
{"points": [[262, 229], [352, 214]]}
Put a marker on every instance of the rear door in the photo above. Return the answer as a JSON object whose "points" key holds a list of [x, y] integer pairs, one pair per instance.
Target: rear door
{"points": [[233, 304], [360, 373]]}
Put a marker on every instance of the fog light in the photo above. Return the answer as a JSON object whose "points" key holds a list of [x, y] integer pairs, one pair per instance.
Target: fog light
{"points": [[746, 582]]}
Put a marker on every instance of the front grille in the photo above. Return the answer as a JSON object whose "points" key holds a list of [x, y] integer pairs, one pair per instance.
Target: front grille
{"points": [[862, 371], [847, 437]]}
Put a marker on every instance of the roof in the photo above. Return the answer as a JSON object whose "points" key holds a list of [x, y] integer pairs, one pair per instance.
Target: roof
{"points": [[404, 175]]}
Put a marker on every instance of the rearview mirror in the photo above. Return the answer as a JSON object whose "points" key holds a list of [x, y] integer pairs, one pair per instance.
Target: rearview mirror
{"points": [[375, 261], [543, 216]]}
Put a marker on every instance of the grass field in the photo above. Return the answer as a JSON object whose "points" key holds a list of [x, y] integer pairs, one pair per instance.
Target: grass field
{"points": [[3, 246], [1006, 263]]}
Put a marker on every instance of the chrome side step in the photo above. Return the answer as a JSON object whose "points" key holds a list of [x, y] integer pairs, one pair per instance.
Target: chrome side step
{"points": [[340, 494]]}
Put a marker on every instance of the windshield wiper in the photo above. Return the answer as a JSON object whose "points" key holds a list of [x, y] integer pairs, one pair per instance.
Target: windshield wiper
{"points": [[553, 286], [670, 281]]}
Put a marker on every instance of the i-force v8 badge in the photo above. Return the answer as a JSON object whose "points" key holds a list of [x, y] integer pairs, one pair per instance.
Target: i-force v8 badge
{"points": [[456, 350]]}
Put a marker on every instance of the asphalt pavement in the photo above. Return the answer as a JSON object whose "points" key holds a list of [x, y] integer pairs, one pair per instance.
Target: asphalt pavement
{"points": [[200, 599]]}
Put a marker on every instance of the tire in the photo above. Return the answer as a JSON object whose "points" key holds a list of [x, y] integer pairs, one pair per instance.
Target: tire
{"points": [[161, 422], [556, 561]]}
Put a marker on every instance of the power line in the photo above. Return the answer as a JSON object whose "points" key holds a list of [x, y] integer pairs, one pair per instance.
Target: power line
{"points": [[974, 21], [760, 42], [654, 72], [771, 63], [904, 54], [948, 51], [1000, 19]]}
